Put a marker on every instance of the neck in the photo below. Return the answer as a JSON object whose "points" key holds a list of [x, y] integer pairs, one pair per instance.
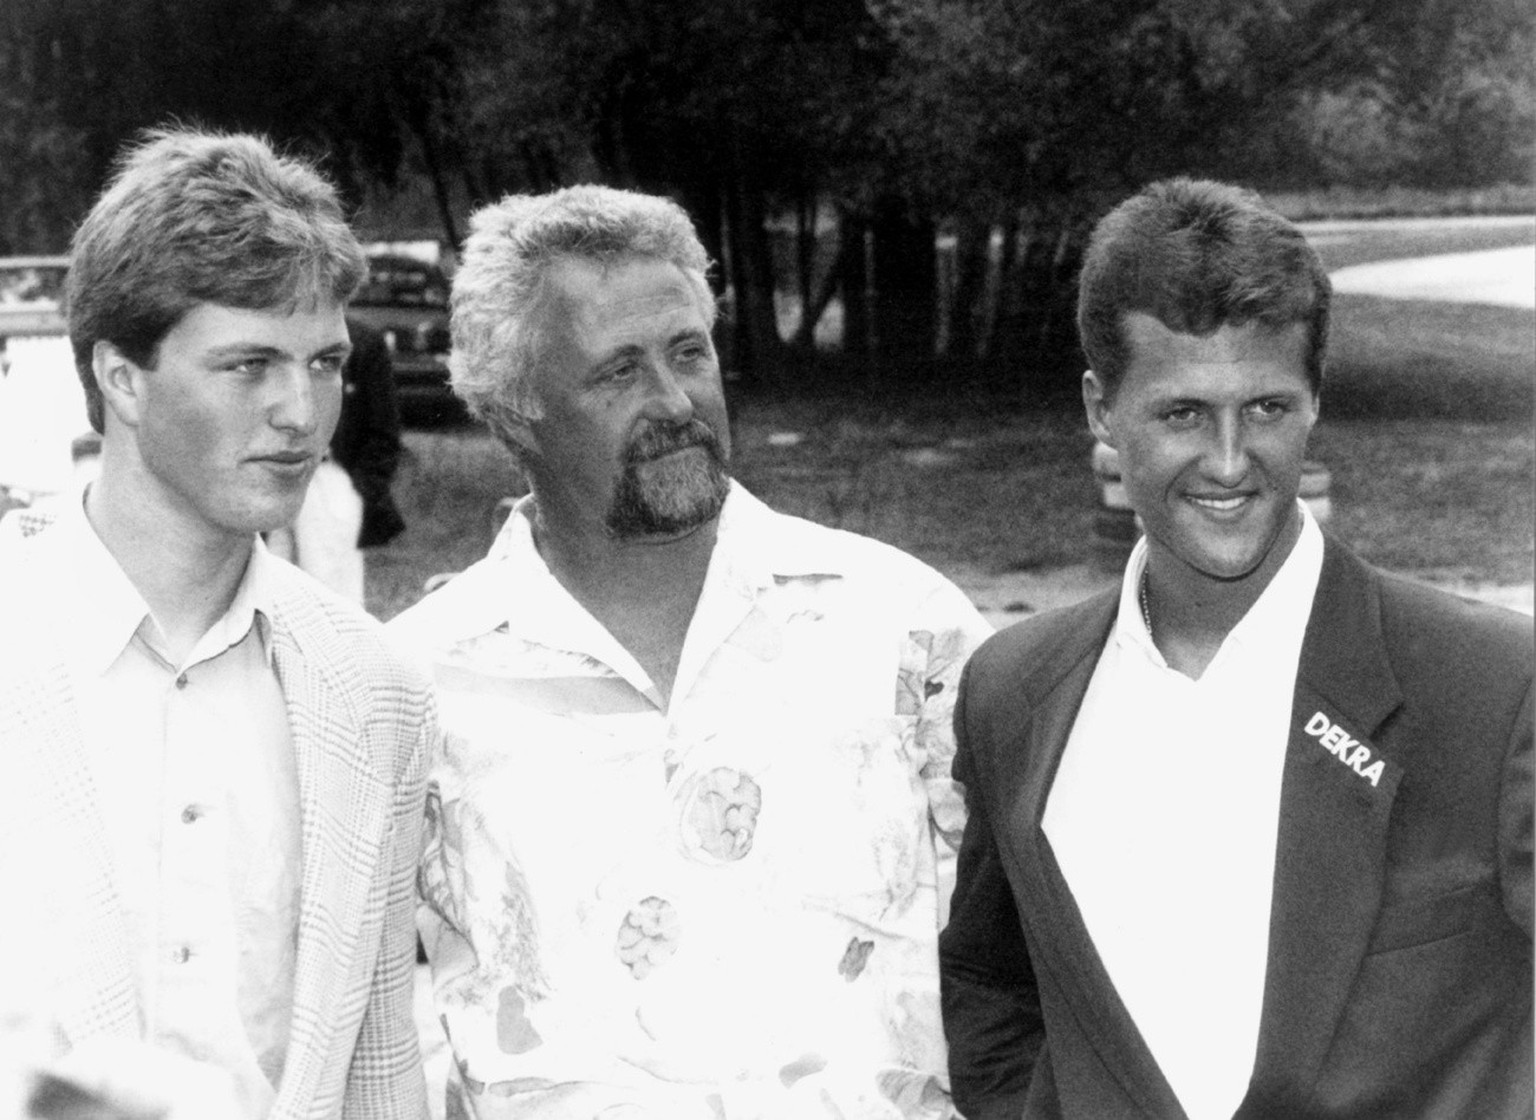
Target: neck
{"points": [[1190, 613], [188, 577], [591, 564], [643, 591]]}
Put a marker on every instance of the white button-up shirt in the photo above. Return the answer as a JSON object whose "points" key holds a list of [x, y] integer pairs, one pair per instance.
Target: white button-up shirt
{"points": [[198, 782], [1163, 818], [724, 904]]}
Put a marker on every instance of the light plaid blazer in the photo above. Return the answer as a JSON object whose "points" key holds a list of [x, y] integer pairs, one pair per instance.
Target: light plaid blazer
{"points": [[364, 726]]}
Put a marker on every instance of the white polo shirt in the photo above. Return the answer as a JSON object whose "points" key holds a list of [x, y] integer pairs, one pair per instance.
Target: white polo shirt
{"points": [[1163, 818]]}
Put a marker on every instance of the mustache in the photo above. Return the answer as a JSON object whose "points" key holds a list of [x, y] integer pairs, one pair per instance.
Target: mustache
{"points": [[666, 436]]}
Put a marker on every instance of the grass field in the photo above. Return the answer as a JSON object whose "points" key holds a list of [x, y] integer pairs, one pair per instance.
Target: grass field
{"points": [[1426, 428]]}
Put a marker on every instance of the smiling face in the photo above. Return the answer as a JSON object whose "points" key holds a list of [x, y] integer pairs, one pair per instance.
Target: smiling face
{"points": [[232, 419], [1211, 431], [633, 431]]}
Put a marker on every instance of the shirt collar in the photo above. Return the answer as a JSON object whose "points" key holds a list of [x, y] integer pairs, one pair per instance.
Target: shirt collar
{"points": [[1284, 604], [110, 610], [754, 548], [752, 543]]}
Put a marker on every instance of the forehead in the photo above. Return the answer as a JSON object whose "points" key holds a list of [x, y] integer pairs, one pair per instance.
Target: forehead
{"points": [[1237, 357], [307, 327], [598, 305]]}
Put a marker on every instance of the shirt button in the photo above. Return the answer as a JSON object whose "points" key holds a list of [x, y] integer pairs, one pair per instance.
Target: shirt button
{"points": [[181, 954], [190, 814], [181, 681]]}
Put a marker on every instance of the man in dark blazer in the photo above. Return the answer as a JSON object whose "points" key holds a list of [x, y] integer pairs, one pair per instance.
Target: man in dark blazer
{"points": [[1250, 836], [367, 439]]}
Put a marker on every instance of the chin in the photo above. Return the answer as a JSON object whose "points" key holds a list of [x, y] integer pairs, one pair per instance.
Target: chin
{"points": [[1228, 564]]}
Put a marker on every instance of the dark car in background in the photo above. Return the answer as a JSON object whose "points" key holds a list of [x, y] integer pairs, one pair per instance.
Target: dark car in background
{"points": [[406, 300], [30, 291]]}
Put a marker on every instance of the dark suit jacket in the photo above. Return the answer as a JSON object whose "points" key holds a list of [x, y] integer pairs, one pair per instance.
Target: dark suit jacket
{"points": [[1399, 982], [367, 438]]}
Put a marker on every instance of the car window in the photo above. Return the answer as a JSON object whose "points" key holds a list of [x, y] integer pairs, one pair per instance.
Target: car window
{"points": [[38, 283], [402, 283]]}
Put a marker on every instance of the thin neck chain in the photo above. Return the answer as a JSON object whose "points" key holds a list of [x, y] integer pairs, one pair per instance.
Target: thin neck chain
{"points": [[1146, 610]]}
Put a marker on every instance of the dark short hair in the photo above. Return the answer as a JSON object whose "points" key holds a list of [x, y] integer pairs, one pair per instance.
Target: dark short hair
{"points": [[192, 217], [1197, 255]]}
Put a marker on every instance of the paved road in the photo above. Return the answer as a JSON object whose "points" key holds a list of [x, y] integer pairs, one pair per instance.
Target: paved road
{"points": [[1503, 277]]}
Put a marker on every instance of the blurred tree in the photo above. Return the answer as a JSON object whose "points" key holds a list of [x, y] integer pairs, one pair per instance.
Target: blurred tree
{"points": [[43, 179], [830, 146], [1019, 121]]}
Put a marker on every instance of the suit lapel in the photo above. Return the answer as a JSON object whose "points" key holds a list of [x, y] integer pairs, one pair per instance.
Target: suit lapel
{"points": [[344, 807], [1059, 939], [1336, 799]]}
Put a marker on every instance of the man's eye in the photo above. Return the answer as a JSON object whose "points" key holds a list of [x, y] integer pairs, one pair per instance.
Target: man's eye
{"points": [[1269, 409], [248, 366], [1182, 415], [329, 363]]}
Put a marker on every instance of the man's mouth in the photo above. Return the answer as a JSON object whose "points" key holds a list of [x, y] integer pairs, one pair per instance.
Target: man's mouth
{"points": [[1221, 505], [286, 461], [662, 453], [665, 439]]}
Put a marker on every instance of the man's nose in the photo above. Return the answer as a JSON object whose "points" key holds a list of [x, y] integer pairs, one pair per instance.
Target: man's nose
{"points": [[295, 406], [1226, 459], [668, 399]]}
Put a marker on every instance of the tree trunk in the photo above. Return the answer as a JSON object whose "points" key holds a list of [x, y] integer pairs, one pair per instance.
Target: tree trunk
{"points": [[805, 265], [704, 200], [756, 346], [819, 297], [995, 309], [1037, 325], [906, 288], [434, 164], [973, 247], [853, 279]]}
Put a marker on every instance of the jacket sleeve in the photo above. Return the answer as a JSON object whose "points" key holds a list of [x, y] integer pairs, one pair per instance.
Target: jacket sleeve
{"points": [[992, 1017], [1515, 822], [385, 1081]]}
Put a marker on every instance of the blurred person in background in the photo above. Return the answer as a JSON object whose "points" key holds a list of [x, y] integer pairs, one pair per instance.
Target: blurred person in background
{"points": [[349, 506], [691, 836], [223, 762], [1251, 835]]}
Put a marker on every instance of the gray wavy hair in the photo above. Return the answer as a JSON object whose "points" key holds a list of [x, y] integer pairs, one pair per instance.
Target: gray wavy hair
{"points": [[499, 287]]}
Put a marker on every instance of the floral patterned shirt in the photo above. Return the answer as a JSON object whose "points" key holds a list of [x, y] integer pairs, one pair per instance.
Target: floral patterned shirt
{"points": [[721, 906]]}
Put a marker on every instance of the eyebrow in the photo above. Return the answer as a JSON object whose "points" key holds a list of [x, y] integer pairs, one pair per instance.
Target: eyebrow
{"points": [[245, 350], [260, 350]]}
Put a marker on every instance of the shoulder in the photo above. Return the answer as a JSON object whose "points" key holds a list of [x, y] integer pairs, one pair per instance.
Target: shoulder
{"points": [[1455, 675], [339, 636], [457, 609], [1419, 620], [34, 585], [1043, 648], [1472, 661], [795, 547], [1433, 636]]}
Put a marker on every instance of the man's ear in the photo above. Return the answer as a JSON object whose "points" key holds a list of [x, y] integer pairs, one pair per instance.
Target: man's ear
{"points": [[513, 429], [120, 380], [1097, 407]]}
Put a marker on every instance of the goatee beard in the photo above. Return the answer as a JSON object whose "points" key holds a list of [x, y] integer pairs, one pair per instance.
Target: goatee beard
{"points": [[661, 494]]}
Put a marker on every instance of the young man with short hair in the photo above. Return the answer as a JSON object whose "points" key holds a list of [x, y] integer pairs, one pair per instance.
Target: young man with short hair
{"points": [[223, 763], [1251, 836]]}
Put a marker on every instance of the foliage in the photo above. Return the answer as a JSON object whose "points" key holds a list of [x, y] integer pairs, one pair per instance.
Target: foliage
{"points": [[880, 126]]}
